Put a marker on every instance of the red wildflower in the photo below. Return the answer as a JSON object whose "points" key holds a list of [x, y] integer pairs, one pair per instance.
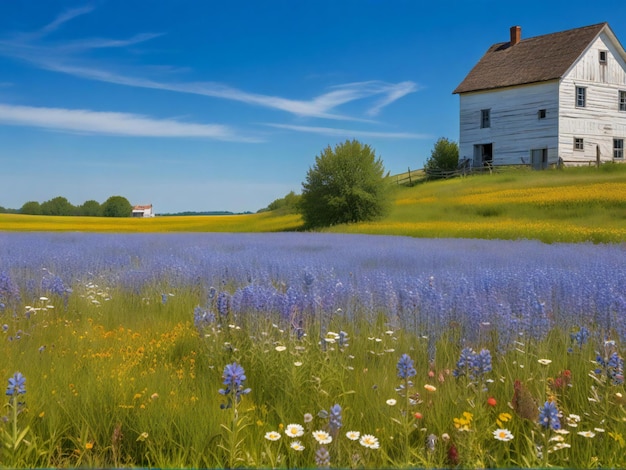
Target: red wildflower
{"points": [[418, 415], [453, 455], [491, 401]]}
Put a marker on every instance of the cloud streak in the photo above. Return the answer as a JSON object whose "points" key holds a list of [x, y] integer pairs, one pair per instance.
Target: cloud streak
{"points": [[71, 58], [113, 123], [350, 132]]}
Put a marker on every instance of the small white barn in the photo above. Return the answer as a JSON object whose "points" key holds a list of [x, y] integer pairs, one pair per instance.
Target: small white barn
{"points": [[143, 211], [555, 98]]}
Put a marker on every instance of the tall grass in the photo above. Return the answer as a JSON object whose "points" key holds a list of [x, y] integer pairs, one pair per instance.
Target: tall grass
{"points": [[125, 368], [147, 395]]}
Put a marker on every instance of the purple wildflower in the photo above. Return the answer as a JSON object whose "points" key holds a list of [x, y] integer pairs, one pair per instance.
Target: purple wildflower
{"points": [[549, 416], [17, 385], [234, 376], [405, 367]]}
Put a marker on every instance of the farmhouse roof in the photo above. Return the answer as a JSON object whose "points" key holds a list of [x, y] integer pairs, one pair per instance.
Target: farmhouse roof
{"points": [[532, 60], [142, 208]]}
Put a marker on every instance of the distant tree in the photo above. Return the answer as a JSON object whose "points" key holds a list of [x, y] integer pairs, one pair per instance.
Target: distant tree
{"points": [[57, 206], [31, 208], [117, 206], [443, 157], [346, 184], [3, 210], [287, 204], [90, 208]]}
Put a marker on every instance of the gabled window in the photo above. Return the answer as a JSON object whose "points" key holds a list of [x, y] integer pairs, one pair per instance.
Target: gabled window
{"points": [[581, 97], [618, 148], [622, 100], [541, 114], [485, 118], [602, 56], [579, 143]]}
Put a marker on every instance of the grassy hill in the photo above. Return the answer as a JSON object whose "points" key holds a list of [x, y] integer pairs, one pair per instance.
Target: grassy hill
{"points": [[570, 205]]}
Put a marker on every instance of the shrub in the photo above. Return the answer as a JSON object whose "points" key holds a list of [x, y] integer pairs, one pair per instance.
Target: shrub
{"points": [[346, 184]]}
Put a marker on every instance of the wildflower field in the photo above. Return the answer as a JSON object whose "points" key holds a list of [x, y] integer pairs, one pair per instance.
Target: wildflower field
{"points": [[310, 350]]}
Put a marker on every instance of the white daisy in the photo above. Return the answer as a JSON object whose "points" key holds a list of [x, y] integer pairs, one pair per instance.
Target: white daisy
{"points": [[367, 440], [272, 436], [297, 445], [322, 437], [294, 430], [502, 435]]}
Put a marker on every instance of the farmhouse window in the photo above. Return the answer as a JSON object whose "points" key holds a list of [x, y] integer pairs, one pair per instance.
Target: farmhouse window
{"points": [[541, 114], [602, 56], [579, 143], [581, 97], [618, 148], [622, 100], [485, 118]]}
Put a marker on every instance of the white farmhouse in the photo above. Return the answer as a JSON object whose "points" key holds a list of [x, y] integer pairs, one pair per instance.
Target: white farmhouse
{"points": [[143, 211], [545, 99]]}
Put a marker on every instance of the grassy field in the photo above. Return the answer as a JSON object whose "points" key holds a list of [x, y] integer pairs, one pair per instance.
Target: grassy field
{"points": [[309, 350], [570, 205]]}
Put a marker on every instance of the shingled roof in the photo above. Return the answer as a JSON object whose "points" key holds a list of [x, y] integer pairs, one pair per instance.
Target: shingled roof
{"points": [[532, 60]]}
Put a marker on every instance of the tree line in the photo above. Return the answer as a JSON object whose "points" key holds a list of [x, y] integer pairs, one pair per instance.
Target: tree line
{"points": [[115, 206]]}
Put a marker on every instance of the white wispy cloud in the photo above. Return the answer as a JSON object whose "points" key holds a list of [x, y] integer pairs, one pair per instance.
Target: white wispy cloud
{"points": [[113, 123], [65, 17], [72, 58], [350, 132]]}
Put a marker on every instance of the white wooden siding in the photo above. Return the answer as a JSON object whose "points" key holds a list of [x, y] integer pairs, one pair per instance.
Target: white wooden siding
{"points": [[600, 121], [515, 126]]}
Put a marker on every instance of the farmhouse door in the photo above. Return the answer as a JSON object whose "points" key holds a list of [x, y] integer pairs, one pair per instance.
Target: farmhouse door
{"points": [[539, 159], [483, 154]]}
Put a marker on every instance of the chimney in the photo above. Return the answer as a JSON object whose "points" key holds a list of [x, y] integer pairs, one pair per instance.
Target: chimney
{"points": [[516, 34]]}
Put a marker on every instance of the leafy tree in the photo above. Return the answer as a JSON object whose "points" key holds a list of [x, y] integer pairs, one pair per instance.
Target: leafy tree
{"points": [[90, 208], [31, 208], [443, 157], [287, 204], [346, 184], [57, 206], [117, 206]]}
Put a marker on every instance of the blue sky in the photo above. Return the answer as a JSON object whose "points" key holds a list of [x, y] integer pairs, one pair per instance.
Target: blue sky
{"points": [[223, 105]]}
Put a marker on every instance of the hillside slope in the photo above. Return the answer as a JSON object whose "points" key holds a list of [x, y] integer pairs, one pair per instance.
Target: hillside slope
{"points": [[570, 205]]}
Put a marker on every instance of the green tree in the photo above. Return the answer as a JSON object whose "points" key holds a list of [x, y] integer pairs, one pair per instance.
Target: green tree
{"points": [[90, 208], [57, 206], [117, 206], [286, 205], [346, 184], [31, 208], [443, 157]]}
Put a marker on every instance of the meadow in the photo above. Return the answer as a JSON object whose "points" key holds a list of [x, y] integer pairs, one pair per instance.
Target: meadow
{"points": [[462, 340], [285, 350]]}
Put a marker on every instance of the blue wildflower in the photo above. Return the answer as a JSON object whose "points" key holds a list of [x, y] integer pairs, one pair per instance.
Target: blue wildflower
{"points": [[549, 416], [234, 376], [223, 303], [580, 337], [613, 367], [334, 422], [483, 362], [405, 367], [472, 364], [343, 339], [322, 458], [17, 385], [163, 299]]}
